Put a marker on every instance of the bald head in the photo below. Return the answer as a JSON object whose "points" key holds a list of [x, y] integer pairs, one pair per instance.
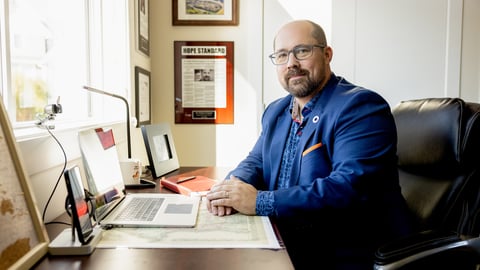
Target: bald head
{"points": [[315, 30]]}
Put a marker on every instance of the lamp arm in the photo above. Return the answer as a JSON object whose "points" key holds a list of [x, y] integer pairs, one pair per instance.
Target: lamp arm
{"points": [[91, 89]]}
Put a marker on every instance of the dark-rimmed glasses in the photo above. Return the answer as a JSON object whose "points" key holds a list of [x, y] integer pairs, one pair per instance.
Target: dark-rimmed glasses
{"points": [[301, 52]]}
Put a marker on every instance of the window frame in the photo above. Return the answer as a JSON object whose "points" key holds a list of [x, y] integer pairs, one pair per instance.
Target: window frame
{"points": [[97, 114]]}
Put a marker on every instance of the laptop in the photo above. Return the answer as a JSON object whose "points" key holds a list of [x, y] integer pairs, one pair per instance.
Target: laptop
{"points": [[113, 206]]}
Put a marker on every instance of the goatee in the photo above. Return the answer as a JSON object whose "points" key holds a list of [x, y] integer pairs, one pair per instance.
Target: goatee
{"points": [[302, 87]]}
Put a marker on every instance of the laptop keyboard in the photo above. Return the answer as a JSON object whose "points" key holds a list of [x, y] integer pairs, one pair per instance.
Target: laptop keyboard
{"points": [[141, 209]]}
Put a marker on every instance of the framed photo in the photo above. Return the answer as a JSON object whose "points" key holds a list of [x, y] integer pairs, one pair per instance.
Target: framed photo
{"points": [[212, 12], [204, 82], [160, 148], [143, 40], [143, 96], [23, 237]]}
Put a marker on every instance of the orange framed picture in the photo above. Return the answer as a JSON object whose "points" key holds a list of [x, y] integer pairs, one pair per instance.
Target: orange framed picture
{"points": [[204, 82]]}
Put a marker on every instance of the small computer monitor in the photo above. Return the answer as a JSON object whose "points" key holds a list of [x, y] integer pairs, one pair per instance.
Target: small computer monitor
{"points": [[160, 147]]}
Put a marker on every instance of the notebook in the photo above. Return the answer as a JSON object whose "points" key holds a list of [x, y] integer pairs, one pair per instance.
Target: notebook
{"points": [[189, 186], [105, 182]]}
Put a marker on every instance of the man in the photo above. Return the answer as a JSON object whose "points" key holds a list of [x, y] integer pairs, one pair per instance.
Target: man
{"points": [[324, 167]]}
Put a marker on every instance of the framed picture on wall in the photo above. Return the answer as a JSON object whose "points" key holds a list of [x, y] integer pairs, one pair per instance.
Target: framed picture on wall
{"points": [[142, 96], [204, 80], [212, 12], [143, 41], [23, 237]]}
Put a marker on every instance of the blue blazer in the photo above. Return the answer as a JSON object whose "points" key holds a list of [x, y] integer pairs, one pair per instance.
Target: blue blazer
{"points": [[345, 167]]}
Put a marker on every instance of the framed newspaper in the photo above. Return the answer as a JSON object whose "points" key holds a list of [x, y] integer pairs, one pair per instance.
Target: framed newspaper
{"points": [[204, 72], [23, 237]]}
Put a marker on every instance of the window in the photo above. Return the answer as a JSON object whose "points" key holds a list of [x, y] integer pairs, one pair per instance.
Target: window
{"points": [[52, 48]]}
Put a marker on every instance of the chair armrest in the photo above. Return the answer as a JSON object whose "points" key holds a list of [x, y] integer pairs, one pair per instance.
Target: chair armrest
{"points": [[405, 251]]}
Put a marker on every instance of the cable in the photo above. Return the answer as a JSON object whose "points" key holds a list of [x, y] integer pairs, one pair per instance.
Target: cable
{"points": [[58, 222], [59, 177]]}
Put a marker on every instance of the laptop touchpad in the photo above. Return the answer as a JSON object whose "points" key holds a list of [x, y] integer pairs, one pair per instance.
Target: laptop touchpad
{"points": [[178, 208]]}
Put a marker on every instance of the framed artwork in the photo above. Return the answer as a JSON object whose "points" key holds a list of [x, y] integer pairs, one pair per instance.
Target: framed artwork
{"points": [[212, 12], [203, 82], [143, 96], [23, 237], [143, 41]]}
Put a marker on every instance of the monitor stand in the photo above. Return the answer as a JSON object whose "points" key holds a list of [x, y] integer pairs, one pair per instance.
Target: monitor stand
{"points": [[65, 244]]}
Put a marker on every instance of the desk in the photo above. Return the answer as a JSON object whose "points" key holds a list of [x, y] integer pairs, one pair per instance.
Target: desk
{"points": [[170, 258]]}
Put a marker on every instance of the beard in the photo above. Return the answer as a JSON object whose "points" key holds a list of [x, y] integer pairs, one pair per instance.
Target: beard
{"points": [[302, 87]]}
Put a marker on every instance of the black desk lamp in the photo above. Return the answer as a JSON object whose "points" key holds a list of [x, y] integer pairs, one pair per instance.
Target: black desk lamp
{"points": [[143, 182]]}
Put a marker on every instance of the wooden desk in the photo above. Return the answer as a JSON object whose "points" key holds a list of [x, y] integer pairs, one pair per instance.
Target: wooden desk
{"points": [[170, 258]]}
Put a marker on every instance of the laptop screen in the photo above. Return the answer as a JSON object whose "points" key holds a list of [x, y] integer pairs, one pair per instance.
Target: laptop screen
{"points": [[102, 167]]}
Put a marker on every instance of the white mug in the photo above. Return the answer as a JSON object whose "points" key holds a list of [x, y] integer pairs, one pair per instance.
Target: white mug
{"points": [[131, 171]]}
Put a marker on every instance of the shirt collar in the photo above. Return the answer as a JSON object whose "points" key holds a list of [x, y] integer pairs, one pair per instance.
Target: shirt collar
{"points": [[295, 108]]}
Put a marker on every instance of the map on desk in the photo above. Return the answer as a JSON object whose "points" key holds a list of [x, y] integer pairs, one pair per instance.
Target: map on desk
{"points": [[235, 231]]}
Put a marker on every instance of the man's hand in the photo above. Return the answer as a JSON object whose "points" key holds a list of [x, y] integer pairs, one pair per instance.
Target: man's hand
{"points": [[230, 196]]}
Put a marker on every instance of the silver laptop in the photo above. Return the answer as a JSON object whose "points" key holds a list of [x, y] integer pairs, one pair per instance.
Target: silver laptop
{"points": [[115, 208]]}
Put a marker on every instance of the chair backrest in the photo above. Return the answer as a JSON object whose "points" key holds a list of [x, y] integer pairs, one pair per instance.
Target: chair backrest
{"points": [[438, 160]]}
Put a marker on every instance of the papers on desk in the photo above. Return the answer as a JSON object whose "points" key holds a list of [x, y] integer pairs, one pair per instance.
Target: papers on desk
{"points": [[235, 231]]}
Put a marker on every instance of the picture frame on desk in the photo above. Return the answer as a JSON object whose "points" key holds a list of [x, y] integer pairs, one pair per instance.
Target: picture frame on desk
{"points": [[217, 13], [160, 148], [143, 96], [23, 237]]}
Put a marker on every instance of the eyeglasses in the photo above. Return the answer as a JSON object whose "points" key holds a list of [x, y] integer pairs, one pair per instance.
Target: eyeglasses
{"points": [[301, 52]]}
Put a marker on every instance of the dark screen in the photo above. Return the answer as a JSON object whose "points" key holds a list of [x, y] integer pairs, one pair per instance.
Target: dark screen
{"points": [[78, 205]]}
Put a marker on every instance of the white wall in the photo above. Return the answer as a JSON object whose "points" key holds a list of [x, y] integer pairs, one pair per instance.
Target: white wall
{"points": [[407, 49], [470, 75]]}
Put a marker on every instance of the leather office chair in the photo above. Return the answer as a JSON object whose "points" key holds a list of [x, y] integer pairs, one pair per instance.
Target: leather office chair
{"points": [[439, 170]]}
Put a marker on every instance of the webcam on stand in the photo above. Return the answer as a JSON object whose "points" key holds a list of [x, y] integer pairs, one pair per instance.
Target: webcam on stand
{"points": [[49, 113]]}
